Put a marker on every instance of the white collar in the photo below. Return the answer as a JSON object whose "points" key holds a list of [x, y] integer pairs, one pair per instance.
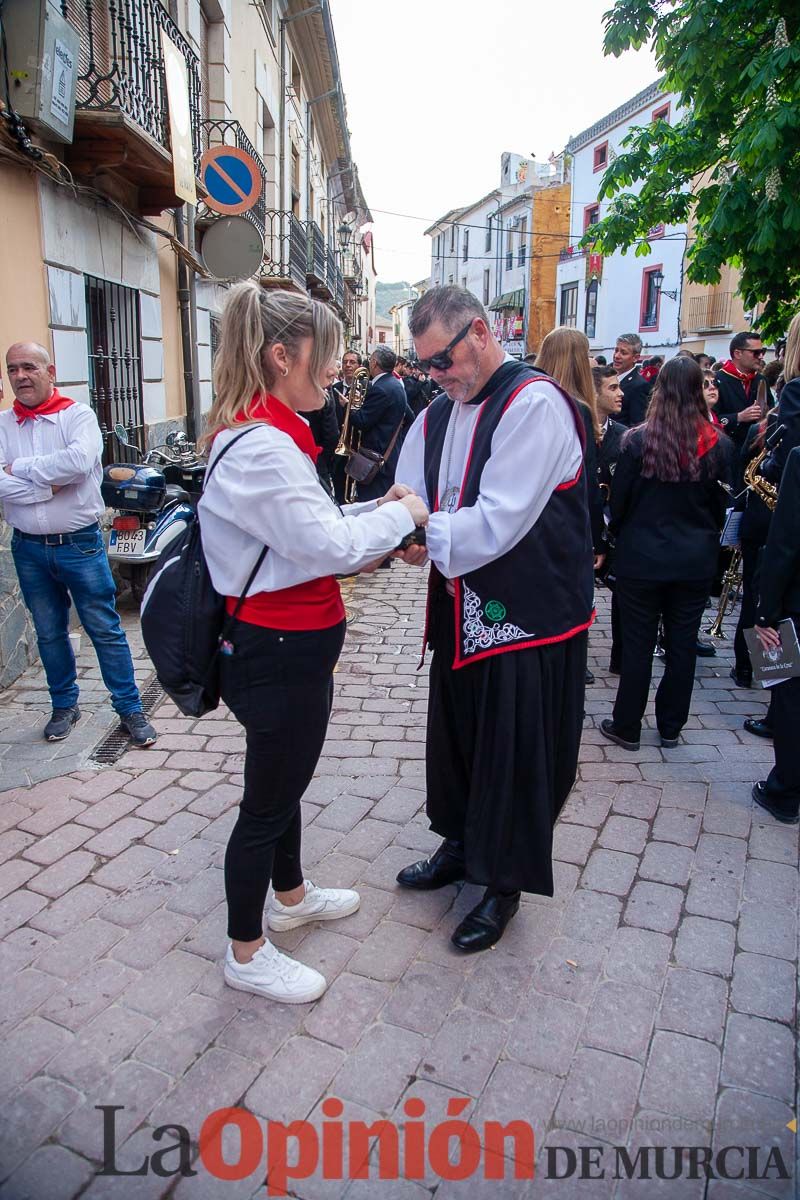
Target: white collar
{"points": [[625, 374]]}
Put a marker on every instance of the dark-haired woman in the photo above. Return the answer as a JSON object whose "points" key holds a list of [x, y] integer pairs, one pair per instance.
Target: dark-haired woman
{"points": [[667, 510]]}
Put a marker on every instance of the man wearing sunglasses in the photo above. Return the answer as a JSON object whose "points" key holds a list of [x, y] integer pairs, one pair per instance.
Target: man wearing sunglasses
{"points": [[737, 382], [499, 454]]}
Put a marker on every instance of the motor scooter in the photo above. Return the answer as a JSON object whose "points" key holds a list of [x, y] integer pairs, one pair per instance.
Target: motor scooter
{"points": [[153, 499]]}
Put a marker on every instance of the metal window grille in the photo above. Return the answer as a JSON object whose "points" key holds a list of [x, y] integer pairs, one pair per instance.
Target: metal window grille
{"points": [[115, 363], [569, 304]]}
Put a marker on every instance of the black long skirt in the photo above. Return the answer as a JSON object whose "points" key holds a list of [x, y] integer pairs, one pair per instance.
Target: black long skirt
{"points": [[503, 736]]}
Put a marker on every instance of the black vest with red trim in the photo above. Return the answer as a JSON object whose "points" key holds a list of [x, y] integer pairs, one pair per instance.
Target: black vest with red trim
{"points": [[541, 590]]}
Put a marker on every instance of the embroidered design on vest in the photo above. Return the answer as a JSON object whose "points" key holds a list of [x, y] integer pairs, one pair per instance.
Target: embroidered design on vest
{"points": [[479, 636]]}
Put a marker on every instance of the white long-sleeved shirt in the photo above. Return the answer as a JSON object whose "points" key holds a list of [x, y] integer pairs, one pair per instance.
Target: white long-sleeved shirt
{"points": [[62, 449], [535, 447], [266, 491]]}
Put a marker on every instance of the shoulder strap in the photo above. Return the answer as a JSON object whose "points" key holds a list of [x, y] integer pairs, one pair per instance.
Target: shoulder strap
{"points": [[395, 436], [211, 469]]}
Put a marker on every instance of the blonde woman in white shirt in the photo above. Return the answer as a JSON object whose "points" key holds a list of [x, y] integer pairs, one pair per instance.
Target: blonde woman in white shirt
{"points": [[277, 354]]}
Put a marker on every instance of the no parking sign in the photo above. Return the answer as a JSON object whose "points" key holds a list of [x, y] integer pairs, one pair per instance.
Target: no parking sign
{"points": [[232, 178]]}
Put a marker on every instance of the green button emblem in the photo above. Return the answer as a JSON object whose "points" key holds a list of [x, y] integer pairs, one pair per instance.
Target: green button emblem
{"points": [[495, 611]]}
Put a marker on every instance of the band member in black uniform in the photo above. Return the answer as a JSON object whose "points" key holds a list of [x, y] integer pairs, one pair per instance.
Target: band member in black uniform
{"points": [[737, 382], [340, 390], [667, 510], [635, 389], [779, 598], [381, 418], [608, 395], [788, 405]]}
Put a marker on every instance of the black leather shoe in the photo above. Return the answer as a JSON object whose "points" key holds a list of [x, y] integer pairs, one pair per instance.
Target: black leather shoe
{"points": [[589, 676], [607, 730], [485, 925], [742, 679], [445, 865], [780, 814], [61, 722], [759, 728], [705, 650]]}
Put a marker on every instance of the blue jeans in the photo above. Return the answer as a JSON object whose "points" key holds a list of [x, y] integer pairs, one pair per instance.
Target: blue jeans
{"points": [[51, 576]]}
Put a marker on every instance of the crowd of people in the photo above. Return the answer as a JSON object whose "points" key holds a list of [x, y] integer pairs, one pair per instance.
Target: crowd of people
{"points": [[522, 485]]}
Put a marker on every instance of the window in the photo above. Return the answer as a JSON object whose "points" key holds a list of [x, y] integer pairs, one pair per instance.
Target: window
{"points": [[450, 279], [297, 79], [662, 113], [601, 156], [453, 236], [569, 304], [295, 181], [437, 246], [509, 249], [488, 244], [464, 282], [591, 215], [486, 286], [523, 242], [651, 298], [590, 324], [381, 339], [115, 362], [465, 249]]}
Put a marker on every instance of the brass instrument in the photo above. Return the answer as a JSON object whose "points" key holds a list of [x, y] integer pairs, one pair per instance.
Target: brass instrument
{"points": [[349, 438], [732, 579]]}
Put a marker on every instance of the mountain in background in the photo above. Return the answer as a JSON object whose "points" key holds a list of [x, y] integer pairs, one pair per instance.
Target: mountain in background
{"points": [[387, 294]]}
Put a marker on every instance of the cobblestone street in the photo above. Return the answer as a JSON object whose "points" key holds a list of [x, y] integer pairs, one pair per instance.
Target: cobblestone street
{"points": [[650, 1002]]}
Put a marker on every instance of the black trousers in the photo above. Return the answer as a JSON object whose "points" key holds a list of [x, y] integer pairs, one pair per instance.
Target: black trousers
{"points": [[279, 685], [747, 612], [783, 781], [680, 606], [615, 659], [502, 752]]}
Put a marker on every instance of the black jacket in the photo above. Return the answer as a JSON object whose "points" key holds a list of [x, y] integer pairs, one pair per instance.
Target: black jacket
{"points": [[608, 452], [415, 395], [779, 580], [384, 408], [756, 515], [594, 495], [788, 416], [666, 532], [635, 398], [732, 399]]}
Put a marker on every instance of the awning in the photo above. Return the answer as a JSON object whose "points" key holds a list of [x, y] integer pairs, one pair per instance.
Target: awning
{"points": [[509, 300]]}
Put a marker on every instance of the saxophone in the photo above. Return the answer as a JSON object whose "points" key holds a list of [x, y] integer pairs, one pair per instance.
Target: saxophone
{"points": [[732, 579], [350, 438]]}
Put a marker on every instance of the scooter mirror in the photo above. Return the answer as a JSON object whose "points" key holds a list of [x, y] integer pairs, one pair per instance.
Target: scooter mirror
{"points": [[121, 434]]}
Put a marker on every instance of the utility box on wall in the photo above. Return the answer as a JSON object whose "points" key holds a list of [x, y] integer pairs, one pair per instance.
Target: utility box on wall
{"points": [[42, 52]]}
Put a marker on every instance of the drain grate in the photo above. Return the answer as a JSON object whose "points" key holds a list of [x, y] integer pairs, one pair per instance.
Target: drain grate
{"points": [[114, 744]]}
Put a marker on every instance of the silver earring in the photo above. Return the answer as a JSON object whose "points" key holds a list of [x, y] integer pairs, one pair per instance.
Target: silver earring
{"points": [[285, 372]]}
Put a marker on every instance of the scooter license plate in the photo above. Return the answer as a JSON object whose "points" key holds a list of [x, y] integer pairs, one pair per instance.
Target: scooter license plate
{"points": [[127, 541]]}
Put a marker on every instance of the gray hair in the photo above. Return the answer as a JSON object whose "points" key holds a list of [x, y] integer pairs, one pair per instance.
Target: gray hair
{"points": [[385, 357], [633, 340], [452, 306]]}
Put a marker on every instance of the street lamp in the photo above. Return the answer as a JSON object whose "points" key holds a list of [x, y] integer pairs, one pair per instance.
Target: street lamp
{"points": [[344, 231], [658, 279]]}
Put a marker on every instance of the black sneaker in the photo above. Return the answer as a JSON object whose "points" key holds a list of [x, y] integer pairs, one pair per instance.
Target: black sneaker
{"points": [[607, 729], [705, 649], [141, 731], [61, 722]]}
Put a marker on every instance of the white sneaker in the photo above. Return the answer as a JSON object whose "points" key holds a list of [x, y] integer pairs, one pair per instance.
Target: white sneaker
{"points": [[274, 975], [318, 904]]}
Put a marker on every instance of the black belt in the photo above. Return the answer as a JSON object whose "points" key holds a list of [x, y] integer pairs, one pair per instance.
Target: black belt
{"points": [[58, 539]]}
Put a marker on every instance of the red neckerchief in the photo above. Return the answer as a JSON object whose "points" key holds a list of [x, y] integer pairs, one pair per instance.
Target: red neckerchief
{"points": [[707, 437], [730, 368], [53, 404], [274, 412], [648, 373]]}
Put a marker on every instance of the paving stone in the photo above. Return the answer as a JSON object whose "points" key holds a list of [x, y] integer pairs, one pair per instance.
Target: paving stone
{"points": [[694, 1003], [218, 1079], [108, 811], [56, 813], [176, 831], [344, 812], [570, 969], [624, 833], [53, 1172], [326, 951], [13, 843], [383, 871], [681, 1076], [77, 1001], [22, 993], [135, 1088], [423, 909], [368, 839], [705, 945], [71, 909], [654, 906], [664, 862], [217, 800], [29, 1047], [29, 1117], [768, 928], [637, 800], [545, 1033], [464, 1051], [137, 902], [763, 986], [587, 807], [758, 1056], [591, 916], [638, 956], [45, 851], [128, 867], [423, 997], [183, 1034], [149, 783], [497, 985], [572, 843], [399, 805], [771, 881], [349, 1006], [131, 1154], [187, 860], [530, 933], [387, 951], [112, 840], [620, 1019], [610, 871], [718, 854], [723, 816], [380, 1067], [598, 1083], [713, 896], [747, 1119], [101, 785], [516, 1092], [99, 1046], [688, 796], [652, 1129], [18, 908], [209, 937], [677, 825], [375, 904], [310, 1064], [76, 951]]}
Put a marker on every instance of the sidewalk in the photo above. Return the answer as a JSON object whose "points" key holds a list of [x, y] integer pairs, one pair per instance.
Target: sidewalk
{"points": [[651, 1002]]}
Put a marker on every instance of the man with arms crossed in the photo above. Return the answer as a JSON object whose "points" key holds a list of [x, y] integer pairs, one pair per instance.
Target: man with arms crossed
{"points": [[498, 457]]}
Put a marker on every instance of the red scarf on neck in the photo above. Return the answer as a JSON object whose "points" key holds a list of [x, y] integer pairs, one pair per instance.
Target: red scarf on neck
{"points": [[274, 412], [730, 368], [53, 404], [707, 437]]}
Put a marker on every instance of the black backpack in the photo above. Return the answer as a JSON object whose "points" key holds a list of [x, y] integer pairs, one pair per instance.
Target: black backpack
{"points": [[184, 621]]}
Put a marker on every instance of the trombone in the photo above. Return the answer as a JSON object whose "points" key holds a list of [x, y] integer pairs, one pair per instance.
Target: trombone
{"points": [[349, 438]]}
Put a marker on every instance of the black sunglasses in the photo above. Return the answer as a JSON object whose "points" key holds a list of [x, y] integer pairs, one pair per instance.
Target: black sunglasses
{"points": [[443, 360]]}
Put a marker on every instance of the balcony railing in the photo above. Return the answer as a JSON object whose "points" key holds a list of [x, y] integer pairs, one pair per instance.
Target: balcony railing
{"points": [[317, 264], [709, 312], [576, 250], [285, 248], [121, 66], [230, 133], [351, 265]]}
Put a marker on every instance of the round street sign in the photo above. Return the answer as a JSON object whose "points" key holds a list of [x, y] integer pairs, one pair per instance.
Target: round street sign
{"points": [[232, 178]]}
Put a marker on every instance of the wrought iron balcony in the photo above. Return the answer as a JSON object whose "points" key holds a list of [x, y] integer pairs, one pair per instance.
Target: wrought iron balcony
{"points": [[285, 249], [230, 133], [317, 265], [121, 120], [351, 264], [712, 311], [576, 250]]}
